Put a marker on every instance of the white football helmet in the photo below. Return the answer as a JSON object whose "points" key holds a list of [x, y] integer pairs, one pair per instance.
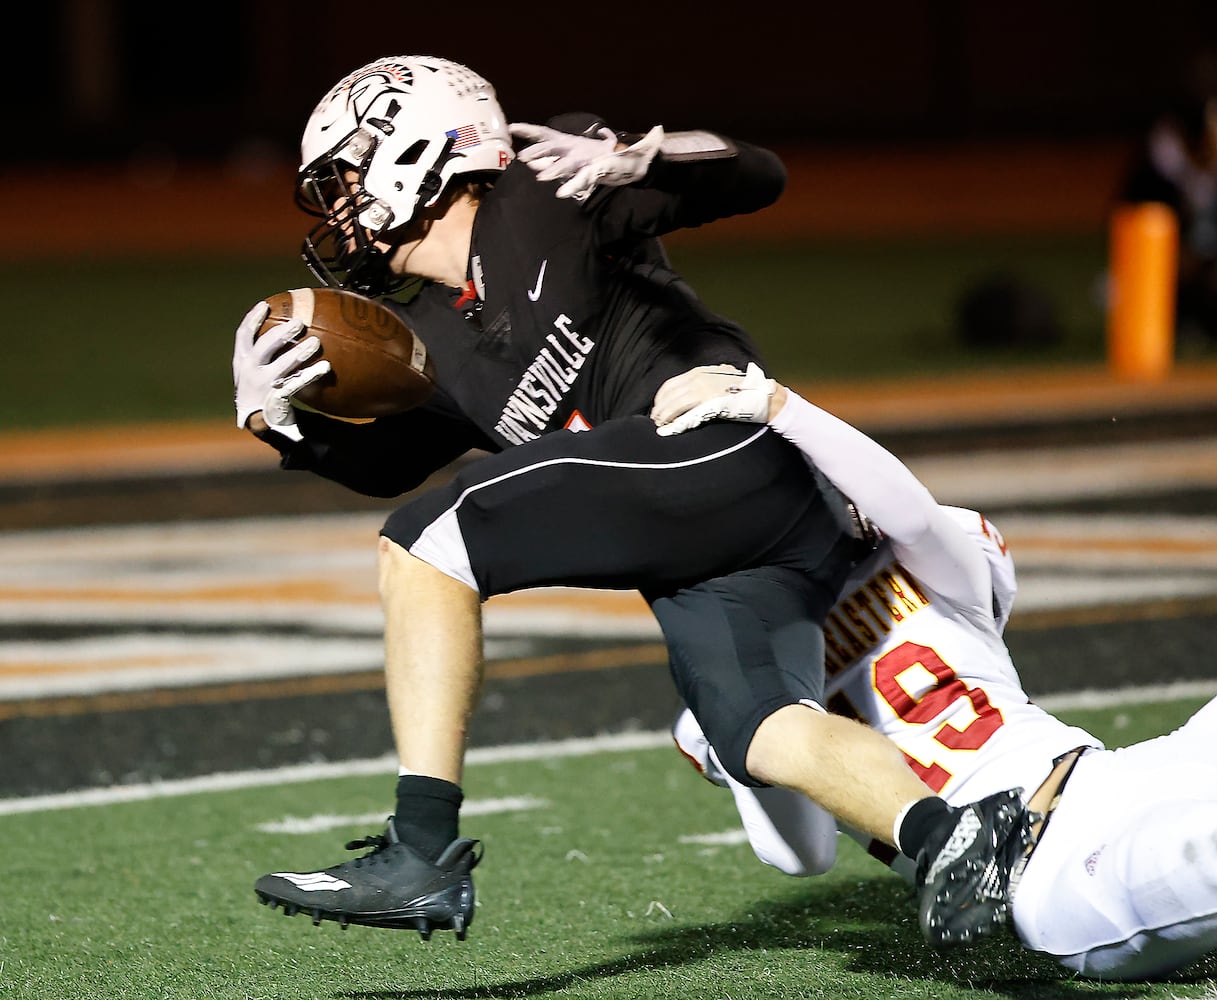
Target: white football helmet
{"points": [[406, 125]]}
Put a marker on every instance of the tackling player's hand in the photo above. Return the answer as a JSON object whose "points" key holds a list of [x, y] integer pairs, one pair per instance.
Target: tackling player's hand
{"points": [[267, 372], [585, 162], [712, 392]]}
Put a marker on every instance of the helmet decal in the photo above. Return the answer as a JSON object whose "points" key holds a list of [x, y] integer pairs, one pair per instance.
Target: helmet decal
{"points": [[367, 90], [463, 137]]}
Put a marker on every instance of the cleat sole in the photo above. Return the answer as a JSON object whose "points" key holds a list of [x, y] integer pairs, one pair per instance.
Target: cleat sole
{"points": [[425, 925]]}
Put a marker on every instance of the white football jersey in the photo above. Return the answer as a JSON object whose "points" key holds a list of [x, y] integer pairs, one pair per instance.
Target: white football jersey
{"points": [[939, 682], [1123, 883], [914, 645]]}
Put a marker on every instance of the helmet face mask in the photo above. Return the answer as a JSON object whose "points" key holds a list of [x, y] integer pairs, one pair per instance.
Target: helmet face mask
{"points": [[341, 249], [383, 145]]}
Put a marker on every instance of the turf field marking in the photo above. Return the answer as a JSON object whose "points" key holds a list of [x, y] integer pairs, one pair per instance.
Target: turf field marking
{"points": [[320, 823], [1174, 691], [727, 838], [548, 750], [237, 780]]}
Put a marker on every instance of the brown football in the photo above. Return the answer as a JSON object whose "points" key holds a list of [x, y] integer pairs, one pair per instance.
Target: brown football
{"points": [[378, 365]]}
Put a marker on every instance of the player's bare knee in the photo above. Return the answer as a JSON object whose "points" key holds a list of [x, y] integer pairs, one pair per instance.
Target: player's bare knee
{"points": [[777, 754]]}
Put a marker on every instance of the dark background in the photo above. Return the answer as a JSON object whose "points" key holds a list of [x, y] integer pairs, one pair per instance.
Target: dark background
{"points": [[149, 150], [98, 80]]}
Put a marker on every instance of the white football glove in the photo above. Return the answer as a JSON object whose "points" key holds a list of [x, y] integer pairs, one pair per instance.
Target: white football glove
{"points": [[554, 155], [266, 370], [585, 162], [712, 392]]}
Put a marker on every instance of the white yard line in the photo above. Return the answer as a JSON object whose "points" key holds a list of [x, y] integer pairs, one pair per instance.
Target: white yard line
{"points": [[322, 822], [546, 750], [236, 780]]}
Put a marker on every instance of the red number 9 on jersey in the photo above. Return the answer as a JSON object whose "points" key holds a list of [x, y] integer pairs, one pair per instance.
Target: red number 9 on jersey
{"points": [[935, 701]]}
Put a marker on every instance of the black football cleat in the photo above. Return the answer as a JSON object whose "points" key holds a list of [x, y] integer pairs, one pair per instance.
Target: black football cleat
{"points": [[390, 886], [964, 871]]}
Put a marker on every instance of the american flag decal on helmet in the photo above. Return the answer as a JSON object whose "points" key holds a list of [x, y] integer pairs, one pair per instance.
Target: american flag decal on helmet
{"points": [[464, 137]]}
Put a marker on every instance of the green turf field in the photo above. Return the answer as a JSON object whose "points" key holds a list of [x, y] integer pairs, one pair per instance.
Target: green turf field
{"points": [[600, 890], [105, 341]]}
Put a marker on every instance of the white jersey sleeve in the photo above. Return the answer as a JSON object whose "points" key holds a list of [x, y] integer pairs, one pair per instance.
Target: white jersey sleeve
{"points": [[929, 542]]}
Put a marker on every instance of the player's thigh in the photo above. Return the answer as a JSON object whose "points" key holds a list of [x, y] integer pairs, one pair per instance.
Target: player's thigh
{"points": [[621, 507]]}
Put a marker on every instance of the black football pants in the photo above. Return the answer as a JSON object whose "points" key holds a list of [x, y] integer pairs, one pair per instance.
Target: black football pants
{"points": [[739, 547]]}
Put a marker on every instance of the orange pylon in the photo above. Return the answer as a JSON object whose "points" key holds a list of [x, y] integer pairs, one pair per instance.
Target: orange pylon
{"points": [[1144, 256]]}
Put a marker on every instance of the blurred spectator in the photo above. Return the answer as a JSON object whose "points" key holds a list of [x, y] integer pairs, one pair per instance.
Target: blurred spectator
{"points": [[1177, 166]]}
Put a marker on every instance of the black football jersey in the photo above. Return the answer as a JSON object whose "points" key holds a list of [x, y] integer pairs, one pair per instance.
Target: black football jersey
{"points": [[572, 316]]}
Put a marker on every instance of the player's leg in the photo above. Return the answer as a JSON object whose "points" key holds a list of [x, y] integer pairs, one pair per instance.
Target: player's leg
{"points": [[1137, 897], [822, 755], [747, 657], [615, 507], [418, 872], [433, 672], [523, 519], [1168, 865], [963, 856], [785, 829]]}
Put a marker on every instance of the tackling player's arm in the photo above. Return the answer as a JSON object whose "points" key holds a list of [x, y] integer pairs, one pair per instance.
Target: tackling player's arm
{"points": [[930, 543]]}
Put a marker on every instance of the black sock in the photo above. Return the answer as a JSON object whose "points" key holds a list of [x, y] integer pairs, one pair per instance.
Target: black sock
{"points": [[919, 822], [428, 813]]}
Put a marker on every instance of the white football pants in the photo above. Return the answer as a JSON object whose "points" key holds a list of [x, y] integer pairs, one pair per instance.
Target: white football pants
{"points": [[1123, 884]]}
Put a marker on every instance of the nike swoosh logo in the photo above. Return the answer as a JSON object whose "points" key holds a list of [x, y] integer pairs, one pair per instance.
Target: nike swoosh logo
{"points": [[536, 292]]}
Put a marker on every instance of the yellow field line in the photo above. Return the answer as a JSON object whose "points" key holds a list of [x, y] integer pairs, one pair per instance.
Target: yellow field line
{"points": [[1186, 547], [263, 593], [99, 664], [645, 654]]}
